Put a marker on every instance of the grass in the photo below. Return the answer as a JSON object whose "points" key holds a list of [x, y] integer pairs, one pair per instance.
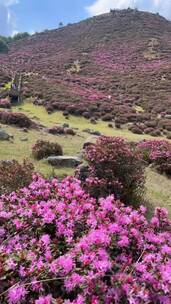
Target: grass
{"points": [[158, 190], [19, 149], [40, 114]]}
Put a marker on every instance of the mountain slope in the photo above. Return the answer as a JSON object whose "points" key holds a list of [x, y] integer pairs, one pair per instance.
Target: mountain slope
{"points": [[114, 66]]}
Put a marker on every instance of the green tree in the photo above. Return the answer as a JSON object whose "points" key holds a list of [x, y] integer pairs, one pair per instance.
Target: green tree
{"points": [[20, 36], [3, 46], [61, 24]]}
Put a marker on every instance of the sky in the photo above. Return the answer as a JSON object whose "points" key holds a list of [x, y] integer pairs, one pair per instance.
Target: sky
{"points": [[37, 15]]}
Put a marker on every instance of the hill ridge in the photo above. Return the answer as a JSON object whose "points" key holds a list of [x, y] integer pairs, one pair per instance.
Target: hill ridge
{"points": [[107, 64]]}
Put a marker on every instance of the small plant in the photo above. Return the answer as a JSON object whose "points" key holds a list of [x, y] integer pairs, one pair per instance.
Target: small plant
{"points": [[114, 168], [43, 149], [14, 175]]}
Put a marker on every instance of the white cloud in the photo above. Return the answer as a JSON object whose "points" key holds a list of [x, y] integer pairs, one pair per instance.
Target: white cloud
{"points": [[102, 6], [7, 18]]}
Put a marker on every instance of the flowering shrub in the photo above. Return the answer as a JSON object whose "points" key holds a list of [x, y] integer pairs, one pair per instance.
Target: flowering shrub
{"points": [[114, 167], [18, 119], [14, 175], [59, 245], [43, 149], [158, 153], [5, 103]]}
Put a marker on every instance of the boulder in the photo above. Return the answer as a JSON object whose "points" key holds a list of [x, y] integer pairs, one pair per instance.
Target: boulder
{"points": [[64, 161], [4, 135]]}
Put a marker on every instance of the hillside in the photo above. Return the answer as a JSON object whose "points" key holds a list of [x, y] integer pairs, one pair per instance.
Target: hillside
{"points": [[113, 66]]}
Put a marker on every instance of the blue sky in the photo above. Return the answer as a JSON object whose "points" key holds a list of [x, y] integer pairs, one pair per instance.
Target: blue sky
{"points": [[37, 15]]}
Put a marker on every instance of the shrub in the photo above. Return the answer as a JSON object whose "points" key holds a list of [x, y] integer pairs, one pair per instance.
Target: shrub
{"points": [[57, 130], [148, 130], [58, 245], [107, 117], [18, 119], [14, 175], [114, 167], [155, 133], [43, 149], [5, 103], [158, 153], [70, 131], [136, 130]]}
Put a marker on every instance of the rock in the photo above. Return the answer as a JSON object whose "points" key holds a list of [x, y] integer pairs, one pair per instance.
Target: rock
{"points": [[168, 116], [4, 135], [64, 161], [168, 136]]}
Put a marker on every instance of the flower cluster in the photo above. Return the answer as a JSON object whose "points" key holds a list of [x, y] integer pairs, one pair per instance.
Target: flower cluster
{"points": [[158, 153], [59, 245]]}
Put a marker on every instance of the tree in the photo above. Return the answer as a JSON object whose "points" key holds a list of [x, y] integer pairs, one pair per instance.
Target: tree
{"points": [[20, 36], [3, 46], [61, 24]]}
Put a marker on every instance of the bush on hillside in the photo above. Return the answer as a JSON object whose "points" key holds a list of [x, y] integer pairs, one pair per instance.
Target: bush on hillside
{"points": [[18, 119], [69, 131], [57, 130], [5, 103], [114, 168], [157, 153], [43, 149], [59, 245], [14, 175]]}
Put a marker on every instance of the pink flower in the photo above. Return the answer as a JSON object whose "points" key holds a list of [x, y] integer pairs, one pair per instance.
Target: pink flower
{"points": [[17, 294], [45, 239], [44, 300], [66, 263], [124, 242]]}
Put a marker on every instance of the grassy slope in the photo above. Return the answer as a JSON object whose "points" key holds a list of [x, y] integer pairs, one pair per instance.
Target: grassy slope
{"points": [[158, 187], [158, 190]]}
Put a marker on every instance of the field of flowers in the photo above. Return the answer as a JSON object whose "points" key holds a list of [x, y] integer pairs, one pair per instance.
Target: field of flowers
{"points": [[61, 244]]}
